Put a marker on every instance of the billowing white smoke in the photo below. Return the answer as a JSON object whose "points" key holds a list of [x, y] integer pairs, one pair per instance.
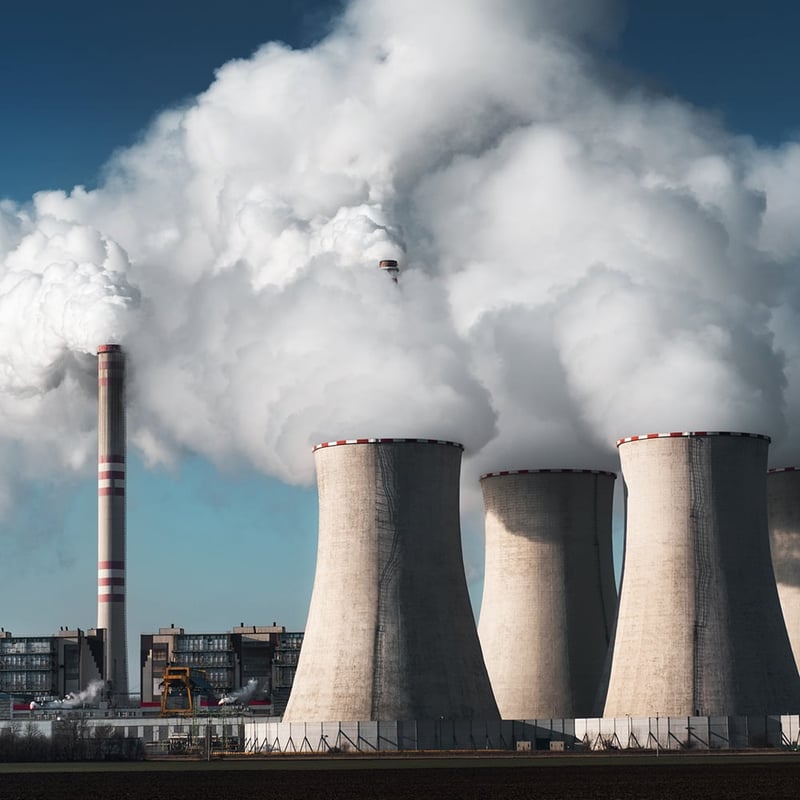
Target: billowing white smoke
{"points": [[580, 261], [241, 696], [85, 697]]}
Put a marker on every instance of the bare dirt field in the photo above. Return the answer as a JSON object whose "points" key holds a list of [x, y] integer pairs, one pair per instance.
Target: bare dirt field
{"points": [[572, 778]]}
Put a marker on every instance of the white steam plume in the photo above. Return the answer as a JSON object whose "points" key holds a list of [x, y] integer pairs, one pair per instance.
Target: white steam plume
{"points": [[85, 697], [580, 261], [241, 696]]}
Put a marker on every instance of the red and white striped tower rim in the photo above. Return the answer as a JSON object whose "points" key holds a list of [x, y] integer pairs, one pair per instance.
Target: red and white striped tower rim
{"points": [[340, 442], [503, 473], [390, 267], [109, 348], [778, 470], [691, 435]]}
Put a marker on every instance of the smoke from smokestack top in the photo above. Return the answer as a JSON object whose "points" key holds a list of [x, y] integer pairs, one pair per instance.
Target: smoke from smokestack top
{"points": [[650, 275]]}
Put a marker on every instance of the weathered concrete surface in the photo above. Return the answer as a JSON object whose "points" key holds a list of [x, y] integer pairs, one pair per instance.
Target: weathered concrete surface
{"points": [[699, 627], [390, 631], [549, 598], [783, 502]]}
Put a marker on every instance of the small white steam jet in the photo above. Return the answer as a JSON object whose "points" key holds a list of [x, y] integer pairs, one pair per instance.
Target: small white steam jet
{"points": [[240, 697], [73, 700]]}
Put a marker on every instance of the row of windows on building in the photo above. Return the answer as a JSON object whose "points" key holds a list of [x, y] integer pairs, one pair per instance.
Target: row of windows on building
{"points": [[26, 662], [198, 644], [27, 682], [37, 644], [41, 665]]}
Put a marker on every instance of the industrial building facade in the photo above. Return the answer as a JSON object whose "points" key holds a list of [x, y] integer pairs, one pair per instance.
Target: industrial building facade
{"points": [[229, 659], [50, 667], [284, 667]]}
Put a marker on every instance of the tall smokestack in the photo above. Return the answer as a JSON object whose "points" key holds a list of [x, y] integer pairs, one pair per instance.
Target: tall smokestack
{"points": [[111, 515], [549, 598], [783, 499], [390, 632], [699, 627]]}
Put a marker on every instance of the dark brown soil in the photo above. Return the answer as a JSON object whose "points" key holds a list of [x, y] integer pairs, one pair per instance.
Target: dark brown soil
{"points": [[671, 781]]}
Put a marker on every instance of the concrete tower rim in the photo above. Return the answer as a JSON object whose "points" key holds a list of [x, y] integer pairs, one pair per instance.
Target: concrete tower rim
{"points": [[548, 471], [644, 437], [777, 470], [341, 442], [109, 348]]}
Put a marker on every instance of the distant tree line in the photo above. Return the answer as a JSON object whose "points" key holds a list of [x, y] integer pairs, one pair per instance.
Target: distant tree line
{"points": [[72, 740]]}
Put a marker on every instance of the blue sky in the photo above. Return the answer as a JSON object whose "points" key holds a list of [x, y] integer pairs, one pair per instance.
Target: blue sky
{"points": [[210, 548]]}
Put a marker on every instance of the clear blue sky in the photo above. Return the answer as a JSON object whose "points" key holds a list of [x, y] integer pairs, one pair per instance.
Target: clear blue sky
{"points": [[77, 81]]}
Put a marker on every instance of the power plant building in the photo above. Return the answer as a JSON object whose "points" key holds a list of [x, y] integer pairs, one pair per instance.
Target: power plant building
{"points": [[699, 628], [390, 632], [549, 598], [284, 668], [111, 545], [228, 660], [783, 500], [49, 667]]}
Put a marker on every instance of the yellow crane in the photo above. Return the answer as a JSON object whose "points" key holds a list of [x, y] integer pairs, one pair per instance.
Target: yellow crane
{"points": [[181, 690]]}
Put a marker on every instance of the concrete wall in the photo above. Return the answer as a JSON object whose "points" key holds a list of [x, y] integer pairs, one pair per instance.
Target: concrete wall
{"points": [[699, 628], [549, 598], [625, 733], [390, 631], [264, 736], [783, 501]]}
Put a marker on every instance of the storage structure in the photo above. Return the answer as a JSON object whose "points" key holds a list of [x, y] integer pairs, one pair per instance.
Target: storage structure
{"points": [[390, 632], [699, 629], [549, 597]]}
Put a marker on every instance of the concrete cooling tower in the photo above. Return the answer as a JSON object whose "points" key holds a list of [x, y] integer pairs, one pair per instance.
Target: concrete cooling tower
{"points": [[111, 515], [549, 597], [390, 632], [783, 502], [699, 628]]}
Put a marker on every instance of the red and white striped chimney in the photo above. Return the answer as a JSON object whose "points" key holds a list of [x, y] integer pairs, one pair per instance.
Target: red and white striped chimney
{"points": [[390, 266], [111, 515]]}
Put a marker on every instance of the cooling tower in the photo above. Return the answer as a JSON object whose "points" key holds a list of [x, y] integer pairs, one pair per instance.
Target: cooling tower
{"points": [[699, 628], [111, 515], [549, 597], [390, 632], [783, 502]]}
